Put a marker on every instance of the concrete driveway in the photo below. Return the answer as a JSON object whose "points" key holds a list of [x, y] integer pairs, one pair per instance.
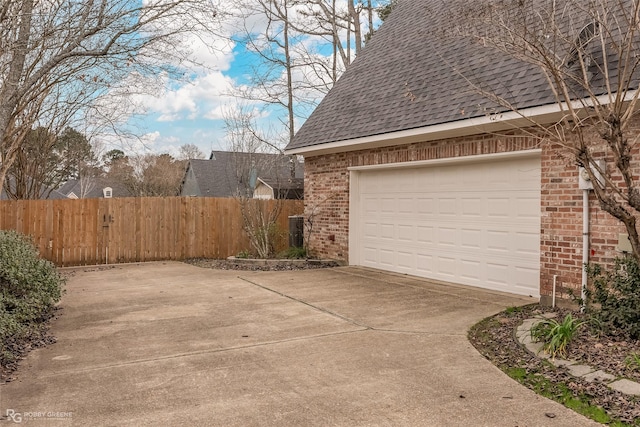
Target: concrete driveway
{"points": [[173, 344]]}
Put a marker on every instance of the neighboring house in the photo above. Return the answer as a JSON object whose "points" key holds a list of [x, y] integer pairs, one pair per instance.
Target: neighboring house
{"points": [[291, 188], [230, 174], [405, 171], [45, 192], [93, 188]]}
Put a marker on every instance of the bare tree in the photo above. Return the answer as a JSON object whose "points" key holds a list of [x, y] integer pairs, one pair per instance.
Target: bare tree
{"points": [[190, 151], [588, 53], [45, 160], [273, 74], [259, 218], [290, 73], [58, 58], [149, 175]]}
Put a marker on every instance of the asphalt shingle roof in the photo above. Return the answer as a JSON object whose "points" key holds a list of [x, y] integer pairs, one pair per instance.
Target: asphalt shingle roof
{"points": [[93, 189], [222, 175], [410, 76]]}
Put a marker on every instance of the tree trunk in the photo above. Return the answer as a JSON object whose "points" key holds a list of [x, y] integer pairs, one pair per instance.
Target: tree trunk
{"points": [[354, 16], [9, 94], [288, 66]]}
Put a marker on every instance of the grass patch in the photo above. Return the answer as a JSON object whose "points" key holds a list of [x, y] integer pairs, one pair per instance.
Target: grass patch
{"points": [[494, 338], [561, 393], [293, 253]]}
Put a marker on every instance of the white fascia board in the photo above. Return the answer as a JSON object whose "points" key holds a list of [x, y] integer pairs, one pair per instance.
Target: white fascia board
{"points": [[264, 183], [509, 120]]}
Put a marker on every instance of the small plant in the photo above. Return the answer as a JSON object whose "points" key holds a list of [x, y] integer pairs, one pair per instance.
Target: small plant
{"points": [[513, 310], [633, 361], [555, 335], [244, 254], [294, 253]]}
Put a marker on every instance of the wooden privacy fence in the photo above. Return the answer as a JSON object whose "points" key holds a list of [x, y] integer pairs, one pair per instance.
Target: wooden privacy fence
{"points": [[106, 231]]}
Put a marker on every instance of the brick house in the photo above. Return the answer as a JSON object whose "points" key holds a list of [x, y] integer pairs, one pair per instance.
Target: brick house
{"points": [[409, 170]]}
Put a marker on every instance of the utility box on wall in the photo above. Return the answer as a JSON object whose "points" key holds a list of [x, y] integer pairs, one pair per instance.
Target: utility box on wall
{"points": [[296, 231], [624, 245], [584, 183]]}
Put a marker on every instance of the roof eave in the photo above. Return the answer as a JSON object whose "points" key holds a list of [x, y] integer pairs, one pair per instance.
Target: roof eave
{"points": [[510, 120]]}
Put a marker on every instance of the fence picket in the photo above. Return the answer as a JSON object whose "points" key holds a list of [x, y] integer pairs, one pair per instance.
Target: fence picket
{"points": [[99, 231]]}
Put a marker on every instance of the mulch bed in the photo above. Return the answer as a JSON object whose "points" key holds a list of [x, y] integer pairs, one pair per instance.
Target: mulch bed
{"points": [[495, 339], [223, 264], [37, 337]]}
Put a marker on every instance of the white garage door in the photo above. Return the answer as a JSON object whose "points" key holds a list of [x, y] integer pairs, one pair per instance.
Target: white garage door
{"points": [[471, 222]]}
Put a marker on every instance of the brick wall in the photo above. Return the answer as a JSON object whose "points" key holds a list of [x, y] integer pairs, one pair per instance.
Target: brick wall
{"points": [[327, 202], [561, 226]]}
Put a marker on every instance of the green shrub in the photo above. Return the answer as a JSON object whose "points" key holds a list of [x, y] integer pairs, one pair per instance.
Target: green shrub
{"points": [[555, 335], [293, 253], [615, 298], [244, 254], [29, 289]]}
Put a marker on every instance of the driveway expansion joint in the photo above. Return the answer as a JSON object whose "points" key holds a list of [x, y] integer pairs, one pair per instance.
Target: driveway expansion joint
{"points": [[586, 372], [315, 307], [345, 318], [201, 352]]}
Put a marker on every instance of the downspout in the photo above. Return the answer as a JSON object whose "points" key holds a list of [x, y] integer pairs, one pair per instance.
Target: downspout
{"points": [[585, 247]]}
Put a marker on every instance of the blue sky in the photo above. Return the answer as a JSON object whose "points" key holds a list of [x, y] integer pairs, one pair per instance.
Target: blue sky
{"points": [[191, 111]]}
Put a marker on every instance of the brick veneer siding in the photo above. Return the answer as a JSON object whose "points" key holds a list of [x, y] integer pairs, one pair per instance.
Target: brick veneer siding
{"points": [[561, 226], [327, 202]]}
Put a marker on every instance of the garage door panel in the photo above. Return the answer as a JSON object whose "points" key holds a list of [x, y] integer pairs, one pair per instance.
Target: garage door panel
{"points": [[371, 205], [447, 207], [387, 231], [424, 263], [471, 270], [447, 237], [446, 266], [387, 205], [472, 207], [406, 205], [471, 238], [527, 206], [471, 223], [406, 260], [370, 230], [426, 206], [527, 243], [386, 257], [425, 234], [498, 241], [406, 233], [498, 274], [498, 207]]}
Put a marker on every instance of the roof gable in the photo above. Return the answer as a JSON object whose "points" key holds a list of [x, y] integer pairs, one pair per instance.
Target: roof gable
{"points": [[405, 78], [92, 188]]}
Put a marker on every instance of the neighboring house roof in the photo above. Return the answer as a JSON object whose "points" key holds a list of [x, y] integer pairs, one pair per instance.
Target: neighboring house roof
{"points": [[45, 192], [292, 188], [227, 174], [410, 76], [92, 189]]}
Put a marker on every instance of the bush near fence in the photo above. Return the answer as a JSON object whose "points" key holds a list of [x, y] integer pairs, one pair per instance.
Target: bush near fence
{"points": [[29, 288]]}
